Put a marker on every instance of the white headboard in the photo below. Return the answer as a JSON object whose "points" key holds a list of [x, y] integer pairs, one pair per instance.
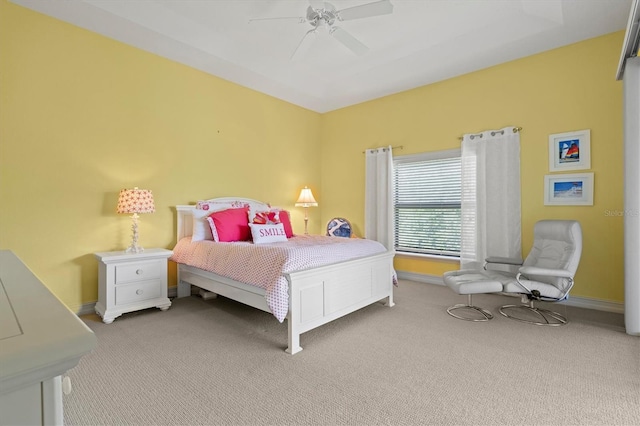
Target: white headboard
{"points": [[185, 218]]}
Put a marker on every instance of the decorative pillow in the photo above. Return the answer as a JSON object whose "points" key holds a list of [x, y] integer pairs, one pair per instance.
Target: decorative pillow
{"points": [[230, 225], [339, 227], [285, 220], [267, 233], [281, 216], [264, 218], [201, 229]]}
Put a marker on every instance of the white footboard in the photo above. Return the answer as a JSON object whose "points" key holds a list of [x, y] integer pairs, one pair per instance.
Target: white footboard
{"points": [[320, 295], [316, 296]]}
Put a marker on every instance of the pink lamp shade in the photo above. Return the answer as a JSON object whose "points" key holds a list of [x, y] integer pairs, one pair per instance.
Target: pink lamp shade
{"points": [[136, 201]]}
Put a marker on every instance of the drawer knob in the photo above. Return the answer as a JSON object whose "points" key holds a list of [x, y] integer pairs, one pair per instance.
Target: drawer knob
{"points": [[139, 272], [139, 291]]}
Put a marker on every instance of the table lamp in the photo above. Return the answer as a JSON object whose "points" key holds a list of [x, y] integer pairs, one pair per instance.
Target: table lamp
{"points": [[135, 201], [306, 200]]}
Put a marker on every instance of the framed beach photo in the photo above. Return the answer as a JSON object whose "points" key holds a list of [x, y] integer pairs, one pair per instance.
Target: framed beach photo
{"points": [[570, 151], [568, 189]]}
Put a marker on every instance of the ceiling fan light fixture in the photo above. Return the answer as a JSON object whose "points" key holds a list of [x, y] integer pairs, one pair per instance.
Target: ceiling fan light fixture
{"points": [[324, 14], [321, 17]]}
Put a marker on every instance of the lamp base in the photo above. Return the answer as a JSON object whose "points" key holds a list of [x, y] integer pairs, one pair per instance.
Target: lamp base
{"points": [[134, 249]]}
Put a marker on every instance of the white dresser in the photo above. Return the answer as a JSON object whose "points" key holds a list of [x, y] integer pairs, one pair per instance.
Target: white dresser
{"points": [[40, 339], [131, 281]]}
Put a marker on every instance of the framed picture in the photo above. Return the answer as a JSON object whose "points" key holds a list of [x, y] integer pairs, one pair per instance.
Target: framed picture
{"points": [[570, 151], [568, 189]]}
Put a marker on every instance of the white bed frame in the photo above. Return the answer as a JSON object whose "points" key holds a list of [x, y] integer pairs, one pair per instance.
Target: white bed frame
{"points": [[316, 296]]}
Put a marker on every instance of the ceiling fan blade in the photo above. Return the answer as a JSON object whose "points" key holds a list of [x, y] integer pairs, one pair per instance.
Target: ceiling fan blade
{"points": [[381, 7], [349, 41], [300, 19], [300, 44], [317, 4]]}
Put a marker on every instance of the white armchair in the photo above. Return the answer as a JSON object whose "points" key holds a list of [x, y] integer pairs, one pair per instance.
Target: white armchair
{"points": [[545, 275]]}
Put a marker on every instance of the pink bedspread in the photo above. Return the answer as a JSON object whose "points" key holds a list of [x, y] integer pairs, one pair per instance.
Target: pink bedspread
{"points": [[262, 265]]}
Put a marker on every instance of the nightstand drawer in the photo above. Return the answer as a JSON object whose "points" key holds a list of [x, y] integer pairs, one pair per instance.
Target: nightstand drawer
{"points": [[139, 271], [143, 290]]}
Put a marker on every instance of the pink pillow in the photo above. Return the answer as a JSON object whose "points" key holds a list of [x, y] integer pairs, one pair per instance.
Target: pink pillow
{"points": [[230, 225], [283, 215]]}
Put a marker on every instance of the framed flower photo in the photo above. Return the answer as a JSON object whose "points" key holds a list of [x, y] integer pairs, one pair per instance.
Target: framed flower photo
{"points": [[570, 151], [568, 189]]}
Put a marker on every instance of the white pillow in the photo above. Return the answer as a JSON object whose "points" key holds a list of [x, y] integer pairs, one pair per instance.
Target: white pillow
{"points": [[272, 233], [201, 229]]}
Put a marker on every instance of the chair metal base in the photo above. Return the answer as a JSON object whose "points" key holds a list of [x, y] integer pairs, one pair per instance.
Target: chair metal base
{"points": [[484, 314], [544, 317]]}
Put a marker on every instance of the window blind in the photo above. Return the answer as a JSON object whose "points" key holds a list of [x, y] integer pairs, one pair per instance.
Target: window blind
{"points": [[427, 194]]}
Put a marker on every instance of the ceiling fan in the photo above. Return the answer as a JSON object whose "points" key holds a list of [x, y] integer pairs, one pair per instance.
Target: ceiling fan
{"points": [[321, 14]]}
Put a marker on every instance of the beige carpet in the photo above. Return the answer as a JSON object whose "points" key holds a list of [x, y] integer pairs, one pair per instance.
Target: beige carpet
{"points": [[219, 362]]}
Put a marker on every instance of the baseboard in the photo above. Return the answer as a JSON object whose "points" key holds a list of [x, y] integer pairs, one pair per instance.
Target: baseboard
{"points": [[578, 302], [597, 304], [86, 309], [421, 278]]}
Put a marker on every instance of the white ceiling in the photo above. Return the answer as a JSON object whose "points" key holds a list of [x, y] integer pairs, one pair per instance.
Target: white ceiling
{"points": [[421, 42]]}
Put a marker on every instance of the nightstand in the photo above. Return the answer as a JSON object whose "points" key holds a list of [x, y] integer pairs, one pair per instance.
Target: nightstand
{"points": [[129, 282]]}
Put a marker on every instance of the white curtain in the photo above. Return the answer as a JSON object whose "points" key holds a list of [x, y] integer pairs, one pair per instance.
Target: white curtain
{"points": [[490, 204], [378, 200]]}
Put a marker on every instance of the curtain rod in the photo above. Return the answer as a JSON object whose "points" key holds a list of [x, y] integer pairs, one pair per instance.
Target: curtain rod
{"points": [[493, 133], [393, 147]]}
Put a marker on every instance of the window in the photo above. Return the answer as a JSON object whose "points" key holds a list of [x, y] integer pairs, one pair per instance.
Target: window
{"points": [[427, 203]]}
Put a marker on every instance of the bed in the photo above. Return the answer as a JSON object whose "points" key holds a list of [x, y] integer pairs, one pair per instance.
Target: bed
{"points": [[316, 295]]}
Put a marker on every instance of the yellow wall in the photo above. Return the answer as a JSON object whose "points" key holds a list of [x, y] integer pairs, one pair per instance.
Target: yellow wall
{"points": [[82, 116], [570, 88]]}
